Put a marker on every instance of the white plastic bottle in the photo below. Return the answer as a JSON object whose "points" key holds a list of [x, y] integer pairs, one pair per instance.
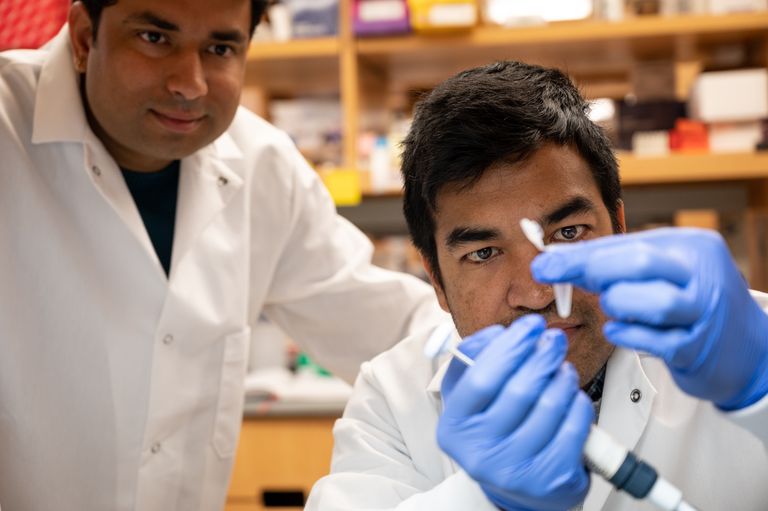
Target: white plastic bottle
{"points": [[379, 166]]}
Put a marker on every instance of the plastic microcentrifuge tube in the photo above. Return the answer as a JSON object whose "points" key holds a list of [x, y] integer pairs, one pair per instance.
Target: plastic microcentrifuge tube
{"points": [[563, 292], [603, 455]]}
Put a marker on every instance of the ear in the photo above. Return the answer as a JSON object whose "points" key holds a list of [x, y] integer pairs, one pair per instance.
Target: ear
{"points": [[620, 215], [439, 291], [80, 35]]}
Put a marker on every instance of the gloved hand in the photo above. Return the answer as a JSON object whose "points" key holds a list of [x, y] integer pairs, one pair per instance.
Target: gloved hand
{"points": [[516, 421], [677, 294]]}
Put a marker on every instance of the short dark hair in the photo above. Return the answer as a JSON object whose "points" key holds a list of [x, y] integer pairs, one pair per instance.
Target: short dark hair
{"points": [[94, 8], [497, 113]]}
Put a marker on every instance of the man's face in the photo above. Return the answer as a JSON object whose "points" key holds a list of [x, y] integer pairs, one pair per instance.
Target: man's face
{"points": [[162, 79], [485, 258]]}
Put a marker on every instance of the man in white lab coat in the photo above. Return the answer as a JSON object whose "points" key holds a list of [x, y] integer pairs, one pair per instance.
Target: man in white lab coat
{"points": [[146, 222], [682, 382]]}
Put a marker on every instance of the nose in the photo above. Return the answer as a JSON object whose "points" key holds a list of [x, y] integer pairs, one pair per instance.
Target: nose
{"points": [[524, 294], [187, 77]]}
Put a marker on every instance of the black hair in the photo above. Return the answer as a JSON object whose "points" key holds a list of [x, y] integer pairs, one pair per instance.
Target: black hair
{"points": [[94, 8], [502, 112]]}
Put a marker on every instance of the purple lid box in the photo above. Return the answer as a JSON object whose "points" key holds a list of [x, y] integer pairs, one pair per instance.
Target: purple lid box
{"points": [[380, 17]]}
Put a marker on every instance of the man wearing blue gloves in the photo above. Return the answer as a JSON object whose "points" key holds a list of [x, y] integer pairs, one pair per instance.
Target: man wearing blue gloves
{"points": [[676, 294], [665, 348]]}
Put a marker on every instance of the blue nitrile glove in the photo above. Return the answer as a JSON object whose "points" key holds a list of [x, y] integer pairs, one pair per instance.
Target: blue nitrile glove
{"points": [[677, 294], [516, 421]]}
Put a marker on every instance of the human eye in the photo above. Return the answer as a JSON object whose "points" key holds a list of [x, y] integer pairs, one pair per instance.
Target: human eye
{"points": [[152, 37], [482, 255], [221, 50], [569, 233]]}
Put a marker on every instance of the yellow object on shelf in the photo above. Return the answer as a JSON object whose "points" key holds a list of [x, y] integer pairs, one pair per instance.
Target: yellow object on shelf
{"points": [[443, 15], [343, 185]]}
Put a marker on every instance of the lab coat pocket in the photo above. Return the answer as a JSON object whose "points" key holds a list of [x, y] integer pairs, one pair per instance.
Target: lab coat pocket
{"points": [[229, 410]]}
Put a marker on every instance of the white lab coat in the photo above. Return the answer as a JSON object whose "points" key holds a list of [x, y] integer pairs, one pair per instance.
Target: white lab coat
{"points": [[386, 455], [122, 389]]}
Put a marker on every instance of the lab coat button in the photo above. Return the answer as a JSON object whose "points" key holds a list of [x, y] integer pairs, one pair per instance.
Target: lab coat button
{"points": [[168, 339], [155, 448], [223, 181], [635, 395], [96, 170]]}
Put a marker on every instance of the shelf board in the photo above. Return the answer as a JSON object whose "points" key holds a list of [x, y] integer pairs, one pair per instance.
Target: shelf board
{"points": [[295, 49], [675, 168], [692, 168], [644, 27]]}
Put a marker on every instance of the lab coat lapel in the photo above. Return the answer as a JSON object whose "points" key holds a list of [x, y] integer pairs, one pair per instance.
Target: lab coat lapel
{"points": [[440, 366], [206, 185], [624, 419], [60, 117]]}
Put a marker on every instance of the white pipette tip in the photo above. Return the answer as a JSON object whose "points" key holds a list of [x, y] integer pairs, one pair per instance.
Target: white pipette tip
{"points": [[563, 295], [440, 342], [563, 292], [461, 356], [534, 233]]}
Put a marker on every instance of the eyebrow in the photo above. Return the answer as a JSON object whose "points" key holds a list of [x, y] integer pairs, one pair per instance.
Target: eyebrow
{"points": [[152, 19], [147, 17], [573, 206], [463, 235]]}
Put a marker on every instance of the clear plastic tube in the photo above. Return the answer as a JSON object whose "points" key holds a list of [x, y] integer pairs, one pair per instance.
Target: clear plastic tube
{"points": [[563, 292]]}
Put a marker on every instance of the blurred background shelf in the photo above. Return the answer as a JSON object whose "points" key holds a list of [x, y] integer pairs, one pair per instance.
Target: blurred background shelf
{"points": [[691, 168], [653, 31], [294, 49]]}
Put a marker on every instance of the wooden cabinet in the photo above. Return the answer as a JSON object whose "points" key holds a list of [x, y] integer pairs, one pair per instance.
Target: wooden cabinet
{"points": [[282, 456]]}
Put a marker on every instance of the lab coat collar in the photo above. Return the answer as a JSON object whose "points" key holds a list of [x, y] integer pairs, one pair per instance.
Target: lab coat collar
{"points": [[206, 185], [59, 114], [434, 384], [433, 387], [207, 181]]}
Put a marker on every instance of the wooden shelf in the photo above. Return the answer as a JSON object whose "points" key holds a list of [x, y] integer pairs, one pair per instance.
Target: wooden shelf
{"points": [[692, 168], [720, 27], [675, 168], [646, 27], [294, 49], [600, 55]]}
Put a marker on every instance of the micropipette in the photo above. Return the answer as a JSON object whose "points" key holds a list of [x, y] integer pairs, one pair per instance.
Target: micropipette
{"points": [[603, 455], [563, 292]]}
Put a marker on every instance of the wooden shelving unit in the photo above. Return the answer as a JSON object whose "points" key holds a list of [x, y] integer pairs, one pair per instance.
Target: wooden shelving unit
{"points": [[599, 54], [295, 49], [652, 30], [693, 168]]}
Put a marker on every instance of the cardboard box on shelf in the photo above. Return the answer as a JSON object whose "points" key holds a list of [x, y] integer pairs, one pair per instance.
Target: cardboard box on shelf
{"points": [[735, 137], [314, 18], [380, 17], [728, 6], [730, 96], [442, 15]]}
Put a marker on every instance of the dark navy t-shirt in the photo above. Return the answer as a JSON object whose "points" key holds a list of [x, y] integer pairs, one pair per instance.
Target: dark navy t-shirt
{"points": [[155, 195]]}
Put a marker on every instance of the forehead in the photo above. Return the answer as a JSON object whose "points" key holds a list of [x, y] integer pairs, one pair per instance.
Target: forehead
{"points": [[188, 15], [528, 189]]}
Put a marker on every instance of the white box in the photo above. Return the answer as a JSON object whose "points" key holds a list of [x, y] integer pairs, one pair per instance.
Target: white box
{"points": [[650, 143], [730, 96], [726, 6], [735, 137]]}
